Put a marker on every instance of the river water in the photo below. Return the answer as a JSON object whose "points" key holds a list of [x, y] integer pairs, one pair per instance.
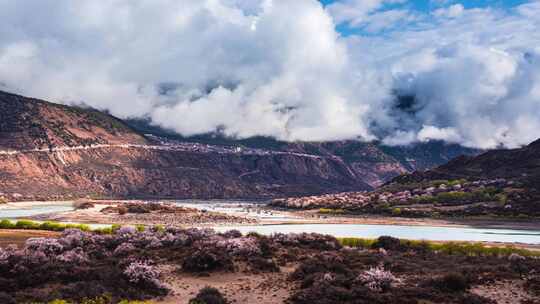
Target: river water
{"points": [[249, 209], [429, 233], [21, 210]]}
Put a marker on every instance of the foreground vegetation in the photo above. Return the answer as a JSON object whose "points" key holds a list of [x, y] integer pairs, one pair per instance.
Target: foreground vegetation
{"points": [[450, 248], [126, 265]]}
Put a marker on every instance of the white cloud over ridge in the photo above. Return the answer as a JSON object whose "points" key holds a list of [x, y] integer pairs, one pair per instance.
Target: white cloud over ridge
{"points": [[279, 68]]}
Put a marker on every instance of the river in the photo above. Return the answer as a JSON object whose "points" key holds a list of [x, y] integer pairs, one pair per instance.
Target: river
{"points": [[249, 209]]}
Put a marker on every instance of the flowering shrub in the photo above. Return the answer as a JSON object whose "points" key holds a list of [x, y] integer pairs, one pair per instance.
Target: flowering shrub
{"points": [[74, 256], [377, 279], [232, 234], [47, 246], [240, 246], [124, 249], [4, 256], [126, 232], [142, 273], [148, 239], [72, 238], [517, 263], [308, 240], [207, 259], [81, 265], [199, 234], [514, 257]]}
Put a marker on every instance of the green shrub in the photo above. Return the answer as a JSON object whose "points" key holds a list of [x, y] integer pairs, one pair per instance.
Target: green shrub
{"points": [[115, 227], [427, 199], [454, 196], [331, 211], [501, 198], [438, 182], [6, 224], [25, 224], [81, 227], [52, 226], [384, 206], [451, 248], [159, 228], [491, 190], [356, 242], [396, 211], [106, 230], [48, 226], [140, 228], [59, 302], [457, 182]]}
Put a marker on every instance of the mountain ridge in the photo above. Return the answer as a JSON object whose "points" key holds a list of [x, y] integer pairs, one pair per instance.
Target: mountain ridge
{"points": [[75, 152], [521, 163]]}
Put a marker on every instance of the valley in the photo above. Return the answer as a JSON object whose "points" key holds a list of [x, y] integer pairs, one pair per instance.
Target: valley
{"points": [[86, 196]]}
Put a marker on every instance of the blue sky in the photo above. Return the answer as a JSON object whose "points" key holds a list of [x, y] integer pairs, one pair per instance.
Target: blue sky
{"points": [[426, 5], [422, 7]]}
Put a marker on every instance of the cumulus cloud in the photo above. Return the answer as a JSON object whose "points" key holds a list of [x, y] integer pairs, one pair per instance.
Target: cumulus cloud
{"points": [[280, 68], [471, 78], [452, 11], [369, 14], [245, 67]]}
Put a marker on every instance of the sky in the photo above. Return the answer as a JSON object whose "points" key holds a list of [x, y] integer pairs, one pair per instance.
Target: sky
{"points": [[398, 71]]}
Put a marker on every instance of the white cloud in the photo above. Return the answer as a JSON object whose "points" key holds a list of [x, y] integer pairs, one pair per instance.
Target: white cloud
{"points": [[476, 74], [267, 67], [452, 11], [433, 133], [368, 14], [279, 68]]}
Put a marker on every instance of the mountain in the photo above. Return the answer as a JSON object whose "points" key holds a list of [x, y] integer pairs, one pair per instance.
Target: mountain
{"points": [[51, 151], [372, 162], [498, 183], [27, 123], [521, 164]]}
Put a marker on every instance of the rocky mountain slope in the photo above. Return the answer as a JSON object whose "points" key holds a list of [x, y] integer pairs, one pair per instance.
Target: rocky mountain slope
{"points": [[495, 183], [51, 151], [521, 164], [48, 151], [27, 123], [372, 162]]}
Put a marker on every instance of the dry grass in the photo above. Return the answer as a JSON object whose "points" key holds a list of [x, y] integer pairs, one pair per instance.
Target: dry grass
{"points": [[18, 237]]}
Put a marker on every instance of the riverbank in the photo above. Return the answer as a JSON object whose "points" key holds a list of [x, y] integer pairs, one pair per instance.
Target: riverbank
{"points": [[314, 217], [135, 213], [246, 216], [257, 214]]}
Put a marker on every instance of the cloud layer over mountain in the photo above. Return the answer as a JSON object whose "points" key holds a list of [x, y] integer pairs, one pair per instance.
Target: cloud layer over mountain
{"points": [[280, 68]]}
